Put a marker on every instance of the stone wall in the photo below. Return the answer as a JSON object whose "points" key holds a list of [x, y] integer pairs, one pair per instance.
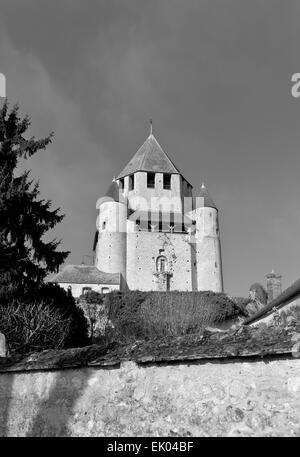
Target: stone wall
{"points": [[143, 193], [143, 248], [244, 397]]}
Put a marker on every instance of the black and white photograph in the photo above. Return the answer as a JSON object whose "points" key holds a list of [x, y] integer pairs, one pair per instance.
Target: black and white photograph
{"points": [[149, 221]]}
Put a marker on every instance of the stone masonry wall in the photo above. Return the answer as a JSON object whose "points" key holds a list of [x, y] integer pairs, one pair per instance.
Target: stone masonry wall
{"points": [[142, 250], [241, 398]]}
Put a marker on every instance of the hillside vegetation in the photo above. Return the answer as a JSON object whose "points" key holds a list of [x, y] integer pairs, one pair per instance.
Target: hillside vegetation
{"points": [[135, 315]]}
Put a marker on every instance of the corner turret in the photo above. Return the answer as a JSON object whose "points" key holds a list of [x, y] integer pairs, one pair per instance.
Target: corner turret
{"points": [[111, 225], [208, 272]]}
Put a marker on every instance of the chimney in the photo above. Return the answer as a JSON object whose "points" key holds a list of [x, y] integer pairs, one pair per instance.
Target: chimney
{"points": [[273, 285]]}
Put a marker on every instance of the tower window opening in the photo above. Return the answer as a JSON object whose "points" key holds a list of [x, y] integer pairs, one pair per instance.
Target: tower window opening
{"points": [[151, 180], [103, 225], [138, 224], [167, 182], [131, 182], [151, 226], [161, 264]]}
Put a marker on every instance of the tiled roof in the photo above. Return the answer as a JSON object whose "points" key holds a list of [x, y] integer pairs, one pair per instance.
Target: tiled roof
{"points": [[205, 200], [150, 157], [85, 274], [284, 298]]}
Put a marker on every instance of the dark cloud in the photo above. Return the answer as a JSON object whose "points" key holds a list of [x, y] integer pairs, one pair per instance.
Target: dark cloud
{"points": [[215, 77]]}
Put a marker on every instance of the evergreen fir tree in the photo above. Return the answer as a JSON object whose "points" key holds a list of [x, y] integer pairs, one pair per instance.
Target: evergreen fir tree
{"points": [[25, 258]]}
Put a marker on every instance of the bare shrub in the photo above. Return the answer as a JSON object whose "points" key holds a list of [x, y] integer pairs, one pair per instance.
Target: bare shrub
{"points": [[33, 326], [95, 313]]}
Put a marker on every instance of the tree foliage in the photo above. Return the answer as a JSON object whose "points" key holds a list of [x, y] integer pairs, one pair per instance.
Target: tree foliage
{"points": [[25, 257], [95, 313], [258, 292], [34, 315]]}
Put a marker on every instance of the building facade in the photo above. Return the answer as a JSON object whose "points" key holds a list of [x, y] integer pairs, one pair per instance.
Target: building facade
{"points": [[153, 232]]}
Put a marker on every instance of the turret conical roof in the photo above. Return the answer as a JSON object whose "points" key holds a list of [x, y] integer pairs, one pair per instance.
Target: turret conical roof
{"points": [[150, 157], [206, 200], [113, 192]]}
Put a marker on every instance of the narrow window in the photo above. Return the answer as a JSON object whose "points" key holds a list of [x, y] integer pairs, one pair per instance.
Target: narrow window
{"points": [[138, 224], [160, 217], [103, 225], [160, 225], [161, 263], [122, 184], [193, 227], [172, 222], [167, 182], [151, 180], [131, 182]]}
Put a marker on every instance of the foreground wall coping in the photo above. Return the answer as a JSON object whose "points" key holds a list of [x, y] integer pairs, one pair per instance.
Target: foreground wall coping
{"points": [[230, 346]]}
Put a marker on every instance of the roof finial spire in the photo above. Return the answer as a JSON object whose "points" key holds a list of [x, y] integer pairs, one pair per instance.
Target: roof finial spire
{"points": [[151, 127]]}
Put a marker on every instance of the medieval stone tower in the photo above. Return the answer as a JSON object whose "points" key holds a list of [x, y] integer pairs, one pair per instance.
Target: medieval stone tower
{"points": [[274, 286], [154, 232]]}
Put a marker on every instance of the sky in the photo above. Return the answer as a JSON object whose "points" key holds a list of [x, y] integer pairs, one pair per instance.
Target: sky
{"points": [[215, 77]]}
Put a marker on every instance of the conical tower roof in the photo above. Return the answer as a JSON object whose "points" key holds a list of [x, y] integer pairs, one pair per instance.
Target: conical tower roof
{"points": [[150, 157], [206, 200], [113, 192]]}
